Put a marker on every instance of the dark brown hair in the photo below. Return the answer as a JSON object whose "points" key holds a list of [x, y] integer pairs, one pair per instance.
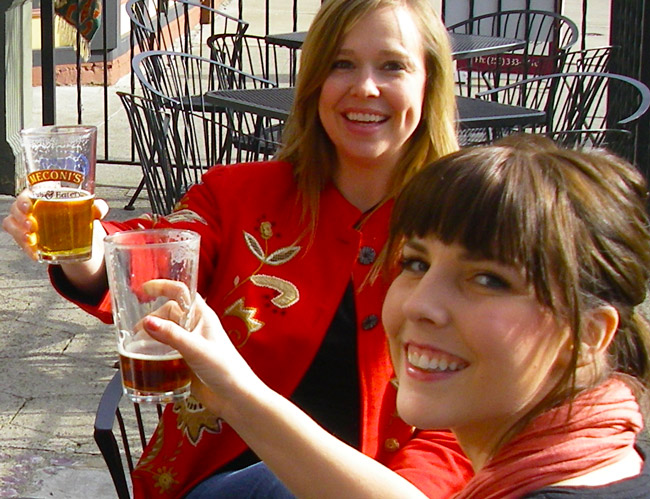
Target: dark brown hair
{"points": [[574, 221]]}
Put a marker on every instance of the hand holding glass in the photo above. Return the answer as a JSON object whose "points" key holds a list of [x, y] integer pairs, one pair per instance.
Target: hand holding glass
{"points": [[60, 163], [151, 371]]}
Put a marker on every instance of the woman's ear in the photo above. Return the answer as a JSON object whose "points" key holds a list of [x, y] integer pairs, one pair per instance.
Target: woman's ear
{"points": [[598, 329]]}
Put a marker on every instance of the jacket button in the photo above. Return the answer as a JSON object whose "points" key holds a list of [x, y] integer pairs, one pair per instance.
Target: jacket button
{"points": [[367, 255], [369, 322], [391, 445]]}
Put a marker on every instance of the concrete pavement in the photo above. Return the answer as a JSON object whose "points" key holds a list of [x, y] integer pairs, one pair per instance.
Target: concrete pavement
{"points": [[54, 362]]}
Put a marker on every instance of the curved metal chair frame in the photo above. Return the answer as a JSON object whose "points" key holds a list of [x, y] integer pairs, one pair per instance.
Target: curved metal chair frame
{"points": [[583, 109], [108, 412], [590, 60], [252, 54], [548, 36], [167, 170], [168, 27], [210, 134]]}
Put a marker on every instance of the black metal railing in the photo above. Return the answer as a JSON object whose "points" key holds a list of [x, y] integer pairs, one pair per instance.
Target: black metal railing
{"points": [[629, 31], [626, 31]]}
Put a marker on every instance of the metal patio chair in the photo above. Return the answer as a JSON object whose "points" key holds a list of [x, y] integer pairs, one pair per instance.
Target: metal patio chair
{"points": [[583, 109], [120, 447], [210, 133], [166, 25], [548, 36]]}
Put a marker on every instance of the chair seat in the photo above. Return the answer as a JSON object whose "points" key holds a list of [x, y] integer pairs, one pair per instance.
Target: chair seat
{"points": [[265, 142]]}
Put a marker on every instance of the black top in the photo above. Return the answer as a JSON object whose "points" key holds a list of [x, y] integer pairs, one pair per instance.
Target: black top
{"points": [[631, 488], [329, 391]]}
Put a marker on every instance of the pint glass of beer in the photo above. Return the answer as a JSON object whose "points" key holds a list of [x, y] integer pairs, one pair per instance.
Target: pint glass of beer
{"points": [[60, 163], [151, 371]]}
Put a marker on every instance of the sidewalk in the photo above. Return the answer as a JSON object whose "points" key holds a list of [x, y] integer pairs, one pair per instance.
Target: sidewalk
{"points": [[55, 361]]}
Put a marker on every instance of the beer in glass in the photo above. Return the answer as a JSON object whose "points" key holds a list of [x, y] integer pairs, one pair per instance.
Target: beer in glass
{"points": [[60, 165], [151, 371]]}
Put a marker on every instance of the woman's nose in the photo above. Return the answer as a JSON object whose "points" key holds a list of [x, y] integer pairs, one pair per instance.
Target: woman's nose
{"points": [[428, 301], [365, 83]]}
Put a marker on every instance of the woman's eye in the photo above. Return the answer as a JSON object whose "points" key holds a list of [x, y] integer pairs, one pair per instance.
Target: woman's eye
{"points": [[492, 281], [341, 64], [394, 66], [413, 265]]}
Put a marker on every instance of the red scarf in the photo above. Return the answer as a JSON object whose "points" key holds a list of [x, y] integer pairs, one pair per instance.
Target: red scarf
{"points": [[602, 427]]}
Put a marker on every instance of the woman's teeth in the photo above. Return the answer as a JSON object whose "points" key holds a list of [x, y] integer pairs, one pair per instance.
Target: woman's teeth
{"points": [[364, 117], [434, 362]]}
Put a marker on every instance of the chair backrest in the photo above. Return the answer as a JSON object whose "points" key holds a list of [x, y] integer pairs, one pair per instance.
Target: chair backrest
{"points": [[167, 171], [184, 79], [168, 25], [583, 109], [588, 60], [207, 133], [548, 36], [131, 442], [252, 54]]}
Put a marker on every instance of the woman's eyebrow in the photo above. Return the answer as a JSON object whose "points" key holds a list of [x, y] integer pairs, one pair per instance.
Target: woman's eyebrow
{"points": [[415, 245], [402, 54]]}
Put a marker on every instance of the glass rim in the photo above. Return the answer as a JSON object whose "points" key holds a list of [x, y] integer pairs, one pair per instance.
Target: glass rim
{"points": [[61, 129], [182, 236]]}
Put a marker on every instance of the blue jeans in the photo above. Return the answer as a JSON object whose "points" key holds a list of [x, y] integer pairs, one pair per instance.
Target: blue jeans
{"points": [[254, 482]]}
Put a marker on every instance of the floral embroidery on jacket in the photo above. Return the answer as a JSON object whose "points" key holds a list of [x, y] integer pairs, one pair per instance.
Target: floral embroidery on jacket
{"points": [[287, 292], [164, 479], [246, 314], [193, 419]]}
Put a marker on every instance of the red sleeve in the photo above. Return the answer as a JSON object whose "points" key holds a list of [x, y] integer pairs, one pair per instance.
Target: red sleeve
{"points": [[198, 211], [434, 462], [99, 305]]}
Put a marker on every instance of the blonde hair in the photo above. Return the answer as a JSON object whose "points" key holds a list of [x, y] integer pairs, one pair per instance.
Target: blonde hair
{"points": [[306, 144]]}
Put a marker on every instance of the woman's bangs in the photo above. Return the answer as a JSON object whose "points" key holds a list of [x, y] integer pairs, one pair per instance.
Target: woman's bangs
{"points": [[464, 201]]}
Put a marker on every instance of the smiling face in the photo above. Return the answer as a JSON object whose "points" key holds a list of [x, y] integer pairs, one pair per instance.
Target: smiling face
{"points": [[371, 102], [473, 348]]}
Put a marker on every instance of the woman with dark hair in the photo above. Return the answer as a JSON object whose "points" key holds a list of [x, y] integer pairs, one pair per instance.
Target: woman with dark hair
{"points": [[513, 319], [287, 245]]}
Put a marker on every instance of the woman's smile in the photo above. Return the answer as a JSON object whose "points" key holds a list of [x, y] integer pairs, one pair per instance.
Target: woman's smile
{"points": [[371, 101], [428, 360]]}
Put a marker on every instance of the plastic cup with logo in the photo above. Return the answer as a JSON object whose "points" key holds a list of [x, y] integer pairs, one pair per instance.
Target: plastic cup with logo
{"points": [[60, 164]]}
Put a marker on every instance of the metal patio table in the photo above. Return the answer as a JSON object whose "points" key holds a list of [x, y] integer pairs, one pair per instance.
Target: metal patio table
{"points": [[473, 113], [463, 46]]}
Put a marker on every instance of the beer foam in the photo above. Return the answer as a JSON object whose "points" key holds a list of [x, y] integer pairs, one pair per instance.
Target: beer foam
{"points": [[146, 349]]}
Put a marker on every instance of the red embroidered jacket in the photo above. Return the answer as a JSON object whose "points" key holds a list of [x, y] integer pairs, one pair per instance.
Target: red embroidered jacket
{"points": [[276, 288]]}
